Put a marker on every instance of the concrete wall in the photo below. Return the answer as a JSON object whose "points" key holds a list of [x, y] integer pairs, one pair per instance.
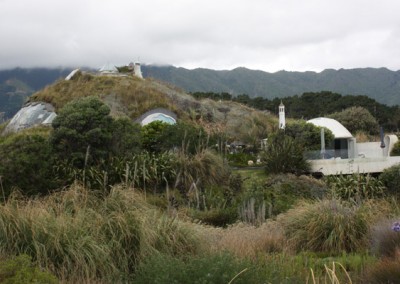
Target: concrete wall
{"points": [[350, 166], [369, 150]]}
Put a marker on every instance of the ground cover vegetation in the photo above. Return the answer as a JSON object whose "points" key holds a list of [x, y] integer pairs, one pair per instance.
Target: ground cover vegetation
{"points": [[162, 204]]}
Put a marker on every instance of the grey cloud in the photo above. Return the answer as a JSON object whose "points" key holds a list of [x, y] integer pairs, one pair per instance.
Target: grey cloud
{"points": [[260, 34]]}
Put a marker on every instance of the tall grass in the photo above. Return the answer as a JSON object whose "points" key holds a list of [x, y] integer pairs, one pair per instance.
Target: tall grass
{"points": [[246, 241], [202, 169], [329, 226], [81, 237]]}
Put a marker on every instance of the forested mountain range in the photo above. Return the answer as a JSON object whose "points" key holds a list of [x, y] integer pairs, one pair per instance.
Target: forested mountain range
{"points": [[380, 84]]}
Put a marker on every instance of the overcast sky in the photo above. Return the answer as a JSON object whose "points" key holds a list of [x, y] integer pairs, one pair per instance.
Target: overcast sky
{"points": [[269, 35]]}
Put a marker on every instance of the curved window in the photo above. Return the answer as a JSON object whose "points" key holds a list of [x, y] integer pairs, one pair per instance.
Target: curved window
{"points": [[158, 117]]}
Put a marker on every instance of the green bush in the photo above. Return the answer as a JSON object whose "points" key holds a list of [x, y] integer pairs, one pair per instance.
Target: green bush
{"points": [[331, 226], [284, 154], [20, 270], [307, 134], [391, 179], [219, 217], [280, 192], [126, 138], [355, 186], [26, 163], [152, 135], [203, 269], [82, 131]]}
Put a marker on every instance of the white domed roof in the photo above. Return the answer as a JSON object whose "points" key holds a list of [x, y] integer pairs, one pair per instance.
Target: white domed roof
{"points": [[338, 130], [32, 114]]}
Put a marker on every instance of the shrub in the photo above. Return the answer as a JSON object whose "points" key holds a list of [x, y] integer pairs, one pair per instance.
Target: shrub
{"points": [[391, 178], [326, 226], [126, 139], [152, 135], [219, 268], [192, 137], [278, 193], [20, 269], [26, 163], [307, 134], [355, 186], [385, 240], [219, 217], [82, 131], [284, 155]]}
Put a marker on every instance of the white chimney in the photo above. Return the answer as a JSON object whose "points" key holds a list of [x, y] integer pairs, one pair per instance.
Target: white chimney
{"points": [[137, 71], [282, 121]]}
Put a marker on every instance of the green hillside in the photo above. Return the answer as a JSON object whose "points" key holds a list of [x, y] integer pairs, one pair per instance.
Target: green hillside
{"points": [[129, 96], [381, 84]]}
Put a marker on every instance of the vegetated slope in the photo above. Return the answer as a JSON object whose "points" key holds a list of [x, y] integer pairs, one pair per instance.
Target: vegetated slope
{"points": [[16, 85], [381, 84], [132, 97]]}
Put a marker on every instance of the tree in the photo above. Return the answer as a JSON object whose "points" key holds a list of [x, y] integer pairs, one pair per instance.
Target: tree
{"points": [[357, 119], [82, 131], [307, 134]]}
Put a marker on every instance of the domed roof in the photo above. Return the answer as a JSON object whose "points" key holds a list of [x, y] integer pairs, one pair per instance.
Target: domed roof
{"points": [[338, 130], [108, 68], [158, 114], [32, 114]]}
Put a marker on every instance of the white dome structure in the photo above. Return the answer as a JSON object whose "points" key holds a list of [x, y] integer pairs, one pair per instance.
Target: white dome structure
{"points": [[32, 114], [158, 117], [344, 144], [158, 114], [337, 129], [108, 69]]}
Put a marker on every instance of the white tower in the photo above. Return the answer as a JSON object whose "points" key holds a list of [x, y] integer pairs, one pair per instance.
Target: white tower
{"points": [[137, 70], [282, 121]]}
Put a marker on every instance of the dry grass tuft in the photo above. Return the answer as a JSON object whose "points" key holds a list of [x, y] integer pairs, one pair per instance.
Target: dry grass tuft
{"points": [[246, 241]]}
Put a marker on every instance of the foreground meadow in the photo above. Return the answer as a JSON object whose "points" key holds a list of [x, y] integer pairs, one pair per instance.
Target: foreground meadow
{"points": [[80, 236]]}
